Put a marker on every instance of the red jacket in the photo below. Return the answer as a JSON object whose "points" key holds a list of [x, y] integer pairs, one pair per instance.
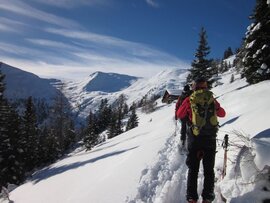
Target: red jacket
{"points": [[177, 105], [185, 110], [180, 100]]}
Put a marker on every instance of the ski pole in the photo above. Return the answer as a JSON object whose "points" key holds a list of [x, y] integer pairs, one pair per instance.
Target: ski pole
{"points": [[225, 147], [175, 130]]}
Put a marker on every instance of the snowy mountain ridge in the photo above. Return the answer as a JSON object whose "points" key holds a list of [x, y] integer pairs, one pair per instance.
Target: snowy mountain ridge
{"points": [[144, 164], [108, 82], [21, 84], [86, 94], [83, 100]]}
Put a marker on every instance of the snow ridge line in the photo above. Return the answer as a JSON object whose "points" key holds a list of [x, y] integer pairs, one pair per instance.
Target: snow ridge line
{"points": [[165, 182]]}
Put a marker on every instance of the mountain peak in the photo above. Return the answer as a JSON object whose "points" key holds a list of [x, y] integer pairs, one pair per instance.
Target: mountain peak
{"points": [[22, 84], [108, 82]]}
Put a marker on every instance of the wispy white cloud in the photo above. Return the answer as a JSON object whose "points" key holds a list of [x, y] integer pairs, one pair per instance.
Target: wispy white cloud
{"points": [[73, 52], [80, 53], [90, 37], [9, 25], [35, 55], [152, 3], [114, 44], [20, 8], [72, 3], [6, 28], [53, 44], [110, 51], [80, 61], [72, 70], [18, 50]]}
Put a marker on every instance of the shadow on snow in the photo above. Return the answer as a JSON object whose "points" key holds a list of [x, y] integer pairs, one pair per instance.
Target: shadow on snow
{"points": [[49, 172]]}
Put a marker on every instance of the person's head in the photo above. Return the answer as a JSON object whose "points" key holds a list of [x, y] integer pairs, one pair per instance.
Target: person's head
{"points": [[186, 88], [199, 83]]}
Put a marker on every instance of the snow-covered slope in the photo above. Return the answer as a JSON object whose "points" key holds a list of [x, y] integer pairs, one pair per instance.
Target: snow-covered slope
{"points": [[156, 85], [21, 84], [86, 94], [144, 164], [108, 82], [84, 100]]}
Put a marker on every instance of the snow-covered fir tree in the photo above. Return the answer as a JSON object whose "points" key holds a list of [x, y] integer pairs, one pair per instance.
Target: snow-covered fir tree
{"points": [[228, 52], [201, 66], [238, 61], [104, 115], [92, 132], [121, 106], [47, 146], [149, 104], [133, 119], [119, 124], [256, 60], [112, 132], [30, 135], [11, 164], [61, 122]]}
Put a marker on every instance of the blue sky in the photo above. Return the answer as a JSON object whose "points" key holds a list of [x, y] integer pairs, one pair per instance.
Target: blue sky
{"points": [[73, 38]]}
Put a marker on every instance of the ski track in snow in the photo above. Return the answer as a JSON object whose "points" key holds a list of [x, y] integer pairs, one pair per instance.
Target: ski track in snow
{"points": [[165, 182]]}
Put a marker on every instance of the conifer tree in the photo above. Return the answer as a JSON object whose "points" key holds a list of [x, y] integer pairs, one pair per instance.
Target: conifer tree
{"points": [[4, 138], [118, 113], [149, 104], [238, 63], [30, 135], [43, 153], [119, 125], [11, 164], [61, 120], [232, 78], [91, 137], [42, 111], [51, 145], [112, 126], [11, 152], [104, 115], [228, 53], [215, 67], [201, 65], [125, 109], [48, 146], [58, 119], [133, 120], [256, 60], [70, 134], [121, 106]]}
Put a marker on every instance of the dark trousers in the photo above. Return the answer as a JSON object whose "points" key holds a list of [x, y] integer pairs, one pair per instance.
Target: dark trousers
{"points": [[183, 130], [195, 155]]}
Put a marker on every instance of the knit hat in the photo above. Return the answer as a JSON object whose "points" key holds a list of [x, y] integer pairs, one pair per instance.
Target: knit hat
{"points": [[199, 83], [186, 88]]}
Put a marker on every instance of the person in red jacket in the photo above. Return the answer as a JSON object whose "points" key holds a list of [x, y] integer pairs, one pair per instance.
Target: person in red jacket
{"points": [[185, 93], [200, 147]]}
